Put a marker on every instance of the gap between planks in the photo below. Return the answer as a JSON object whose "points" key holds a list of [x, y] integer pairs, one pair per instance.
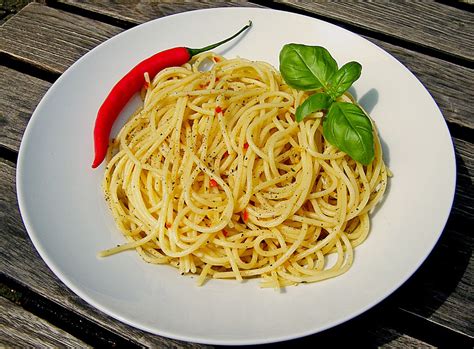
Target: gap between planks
{"points": [[64, 319]]}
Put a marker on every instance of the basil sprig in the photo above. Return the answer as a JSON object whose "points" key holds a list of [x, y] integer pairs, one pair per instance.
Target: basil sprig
{"points": [[346, 126]]}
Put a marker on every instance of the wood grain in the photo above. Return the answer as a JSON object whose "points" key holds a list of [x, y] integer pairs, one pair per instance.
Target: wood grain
{"points": [[403, 341], [424, 23], [49, 39], [20, 328], [20, 95]]}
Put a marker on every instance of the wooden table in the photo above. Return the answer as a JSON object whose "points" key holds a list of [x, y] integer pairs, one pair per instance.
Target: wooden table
{"points": [[435, 40]]}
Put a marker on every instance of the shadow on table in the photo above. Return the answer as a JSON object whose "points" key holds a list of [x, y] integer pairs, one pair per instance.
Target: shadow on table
{"points": [[400, 320]]}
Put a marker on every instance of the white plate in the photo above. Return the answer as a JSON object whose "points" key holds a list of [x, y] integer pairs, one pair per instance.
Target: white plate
{"points": [[68, 221]]}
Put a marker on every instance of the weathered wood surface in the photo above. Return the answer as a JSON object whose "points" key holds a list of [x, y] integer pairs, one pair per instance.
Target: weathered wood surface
{"points": [[56, 46], [424, 23], [51, 39], [20, 95], [21, 328]]}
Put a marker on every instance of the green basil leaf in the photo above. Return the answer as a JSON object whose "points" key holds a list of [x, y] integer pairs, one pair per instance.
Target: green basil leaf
{"points": [[344, 78], [312, 104], [347, 127], [306, 67]]}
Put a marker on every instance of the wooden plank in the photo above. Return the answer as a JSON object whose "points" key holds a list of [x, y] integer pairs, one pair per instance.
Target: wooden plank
{"points": [[137, 12], [399, 340], [20, 328], [425, 23], [446, 284], [446, 81], [50, 39], [20, 95]]}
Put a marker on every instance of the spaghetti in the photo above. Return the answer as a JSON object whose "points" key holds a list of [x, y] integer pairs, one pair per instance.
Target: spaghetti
{"points": [[214, 177]]}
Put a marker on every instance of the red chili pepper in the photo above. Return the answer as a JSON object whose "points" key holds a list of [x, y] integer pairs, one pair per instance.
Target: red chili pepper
{"points": [[213, 183], [226, 154], [245, 216], [246, 146], [168, 225], [225, 233], [218, 110], [132, 82]]}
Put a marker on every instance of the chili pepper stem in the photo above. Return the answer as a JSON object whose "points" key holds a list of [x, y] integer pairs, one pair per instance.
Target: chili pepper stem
{"points": [[195, 51]]}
